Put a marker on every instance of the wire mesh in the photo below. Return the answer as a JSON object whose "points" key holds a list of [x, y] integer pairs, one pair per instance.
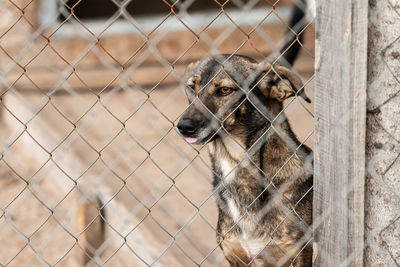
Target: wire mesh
{"points": [[382, 184], [93, 169]]}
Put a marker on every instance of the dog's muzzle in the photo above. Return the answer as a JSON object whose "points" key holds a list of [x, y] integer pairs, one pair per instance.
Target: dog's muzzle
{"points": [[188, 128]]}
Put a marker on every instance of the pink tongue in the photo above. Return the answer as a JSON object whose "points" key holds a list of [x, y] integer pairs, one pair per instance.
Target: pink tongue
{"points": [[190, 140]]}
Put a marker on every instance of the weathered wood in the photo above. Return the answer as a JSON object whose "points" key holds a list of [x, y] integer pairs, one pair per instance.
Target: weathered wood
{"points": [[47, 63], [340, 101], [146, 76]]}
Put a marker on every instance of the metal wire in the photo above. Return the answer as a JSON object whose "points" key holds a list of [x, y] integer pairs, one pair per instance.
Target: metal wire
{"points": [[383, 163], [71, 139]]}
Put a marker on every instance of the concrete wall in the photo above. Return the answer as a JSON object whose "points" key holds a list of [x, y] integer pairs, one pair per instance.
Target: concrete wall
{"points": [[382, 196]]}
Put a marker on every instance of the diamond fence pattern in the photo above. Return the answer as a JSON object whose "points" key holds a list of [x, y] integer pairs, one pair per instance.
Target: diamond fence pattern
{"points": [[93, 169], [382, 183]]}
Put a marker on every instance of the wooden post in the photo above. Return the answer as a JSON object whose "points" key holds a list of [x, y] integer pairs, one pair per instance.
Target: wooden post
{"points": [[340, 123]]}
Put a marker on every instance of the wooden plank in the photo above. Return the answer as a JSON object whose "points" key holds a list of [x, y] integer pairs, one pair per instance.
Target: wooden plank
{"points": [[46, 65], [340, 121], [146, 76], [131, 46]]}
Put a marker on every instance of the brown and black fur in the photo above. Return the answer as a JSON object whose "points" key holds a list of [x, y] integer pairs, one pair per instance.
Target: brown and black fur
{"points": [[270, 185], [262, 176]]}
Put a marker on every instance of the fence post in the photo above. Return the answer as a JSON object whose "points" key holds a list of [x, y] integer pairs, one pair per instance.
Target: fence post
{"points": [[340, 123]]}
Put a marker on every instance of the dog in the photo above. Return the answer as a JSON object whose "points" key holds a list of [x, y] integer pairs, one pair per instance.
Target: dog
{"points": [[263, 187], [262, 174]]}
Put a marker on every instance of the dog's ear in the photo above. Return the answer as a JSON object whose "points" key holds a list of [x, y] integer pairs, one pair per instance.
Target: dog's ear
{"points": [[279, 82], [191, 67]]}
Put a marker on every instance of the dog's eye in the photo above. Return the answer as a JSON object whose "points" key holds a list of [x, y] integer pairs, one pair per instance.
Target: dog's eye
{"points": [[223, 91]]}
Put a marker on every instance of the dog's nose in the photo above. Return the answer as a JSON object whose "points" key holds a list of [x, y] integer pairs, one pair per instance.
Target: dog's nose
{"points": [[187, 126]]}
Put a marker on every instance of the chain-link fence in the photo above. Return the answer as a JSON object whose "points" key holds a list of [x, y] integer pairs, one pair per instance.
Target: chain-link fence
{"points": [[133, 133], [382, 183], [356, 184], [94, 170]]}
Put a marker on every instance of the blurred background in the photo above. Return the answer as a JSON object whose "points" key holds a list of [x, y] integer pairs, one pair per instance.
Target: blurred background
{"points": [[92, 170]]}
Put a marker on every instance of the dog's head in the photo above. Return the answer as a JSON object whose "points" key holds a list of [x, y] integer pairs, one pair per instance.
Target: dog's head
{"points": [[227, 93]]}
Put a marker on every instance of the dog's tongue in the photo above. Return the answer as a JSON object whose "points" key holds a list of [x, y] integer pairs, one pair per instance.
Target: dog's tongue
{"points": [[190, 140]]}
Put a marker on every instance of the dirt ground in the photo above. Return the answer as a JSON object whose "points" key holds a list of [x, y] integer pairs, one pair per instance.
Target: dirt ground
{"points": [[155, 187]]}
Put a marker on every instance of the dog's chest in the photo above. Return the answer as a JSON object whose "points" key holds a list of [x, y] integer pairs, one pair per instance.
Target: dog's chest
{"points": [[238, 182], [237, 188], [249, 236], [238, 194], [227, 182], [228, 170]]}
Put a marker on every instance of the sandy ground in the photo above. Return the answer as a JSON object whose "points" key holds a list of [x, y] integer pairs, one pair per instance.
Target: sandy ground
{"points": [[156, 188]]}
